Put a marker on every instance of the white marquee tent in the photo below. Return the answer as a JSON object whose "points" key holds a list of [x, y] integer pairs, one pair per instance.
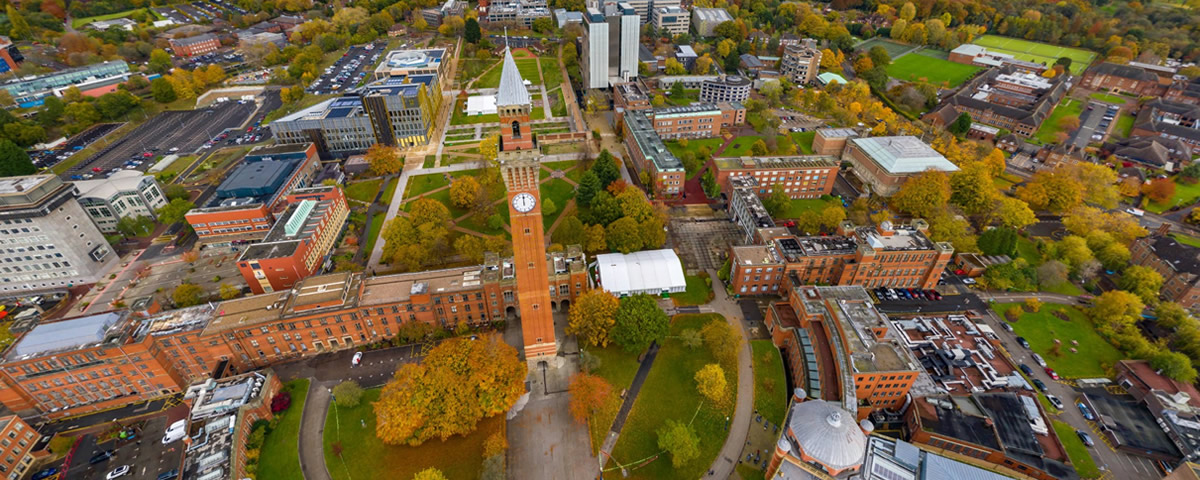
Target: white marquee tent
{"points": [[652, 272]]}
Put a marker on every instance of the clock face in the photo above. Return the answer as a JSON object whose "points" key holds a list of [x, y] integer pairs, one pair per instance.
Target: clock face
{"points": [[524, 202]]}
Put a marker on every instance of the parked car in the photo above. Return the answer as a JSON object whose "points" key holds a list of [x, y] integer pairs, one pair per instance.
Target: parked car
{"points": [[1025, 369], [1085, 438], [1053, 374], [1087, 412], [357, 359], [169, 475], [1041, 386], [968, 281], [1039, 360], [44, 473], [118, 472], [1021, 341], [1058, 403], [1006, 326], [101, 457]]}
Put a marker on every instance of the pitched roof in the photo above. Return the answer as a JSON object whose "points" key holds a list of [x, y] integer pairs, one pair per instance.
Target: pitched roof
{"points": [[1155, 151], [512, 86], [1124, 71]]}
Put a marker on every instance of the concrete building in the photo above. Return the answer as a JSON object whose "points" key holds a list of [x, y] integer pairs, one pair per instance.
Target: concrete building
{"points": [[650, 272], [407, 63], [724, 89], [10, 57], [1130, 79], [971, 54], [609, 45], [886, 255], [885, 163], [221, 416], [800, 176], [670, 20], [299, 245], [1006, 97], [47, 240], [686, 56], [1178, 264], [564, 18], [1169, 120], [197, 45], [801, 62], [700, 120], [706, 20], [832, 141], [746, 209], [127, 193], [630, 96], [518, 12], [244, 205], [451, 8], [650, 155], [30, 92], [17, 440]]}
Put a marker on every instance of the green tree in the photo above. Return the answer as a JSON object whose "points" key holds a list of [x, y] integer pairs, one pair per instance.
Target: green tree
{"points": [[347, 394], [187, 294], [722, 341], [549, 207], [571, 231], [709, 183], [589, 185], [638, 323], [174, 211], [961, 125], [924, 194], [176, 191], [1175, 365], [543, 25], [471, 32], [778, 201], [19, 26], [14, 161], [624, 235], [162, 90], [679, 439], [135, 226], [160, 61], [1144, 282], [759, 148], [592, 317], [999, 241], [605, 168]]}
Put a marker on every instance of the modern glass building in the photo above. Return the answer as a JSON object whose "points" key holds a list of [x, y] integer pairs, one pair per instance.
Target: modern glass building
{"points": [[30, 91]]}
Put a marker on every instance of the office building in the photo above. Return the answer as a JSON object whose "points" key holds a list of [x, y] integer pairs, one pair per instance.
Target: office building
{"points": [[29, 92], [700, 120], [519, 12], [127, 193], [197, 45], [396, 112], [650, 155], [706, 20], [300, 243], [407, 63], [1005, 97], [670, 20], [687, 56], [1169, 120], [17, 439], [724, 89], [800, 176], [244, 205], [564, 18], [47, 240], [609, 45], [746, 209], [801, 62], [885, 163], [10, 57], [451, 8]]}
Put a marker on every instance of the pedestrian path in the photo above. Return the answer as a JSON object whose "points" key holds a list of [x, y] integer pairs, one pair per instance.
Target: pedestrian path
{"points": [[610, 440]]}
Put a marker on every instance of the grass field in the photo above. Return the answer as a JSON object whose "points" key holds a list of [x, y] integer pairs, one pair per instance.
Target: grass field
{"points": [[551, 73], [389, 191], [560, 192], [670, 393], [1047, 133], [280, 455], [423, 183], [770, 385], [80, 22], [1037, 52], [364, 191], [933, 70], [804, 141], [1124, 125], [741, 146], [894, 49], [1185, 194], [374, 229], [1186, 240], [801, 205], [698, 292], [1110, 98], [1080, 457], [1094, 354], [677, 148], [365, 456], [618, 368]]}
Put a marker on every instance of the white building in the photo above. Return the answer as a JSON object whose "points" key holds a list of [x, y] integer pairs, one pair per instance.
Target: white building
{"points": [[127, 193], [481, 105], [670, 20], [653, 272], [707, 19], [610, 45], [46, 239]]}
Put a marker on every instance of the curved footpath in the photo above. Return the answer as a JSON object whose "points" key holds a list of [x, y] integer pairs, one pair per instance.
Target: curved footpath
{"points": [[739, 425]]}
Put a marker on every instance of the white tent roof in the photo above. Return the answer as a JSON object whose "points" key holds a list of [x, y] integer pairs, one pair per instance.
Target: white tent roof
{"points": [[638, 271], [481, 105]]}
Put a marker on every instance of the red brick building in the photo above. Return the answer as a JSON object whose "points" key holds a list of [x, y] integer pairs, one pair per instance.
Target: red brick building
{"points": [[197, 45], [299, 244], [696, 121], [17, 439], [630, 96], [1114, 77], [802, 176], [648, 154], [883, 256], [1178, 264], [832, 141]]}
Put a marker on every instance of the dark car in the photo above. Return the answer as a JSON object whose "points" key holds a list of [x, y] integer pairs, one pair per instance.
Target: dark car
{"points": [[169, 475], [101, 457], [44, 473], [1025, 369], [1087, 439], [1023, 342], [1041, 386], [1087, 412]]}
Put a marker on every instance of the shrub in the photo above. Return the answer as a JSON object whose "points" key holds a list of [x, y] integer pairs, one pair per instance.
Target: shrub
{"points": [[347, 394], [1032, 305], [1011, 315], [281, 402]]}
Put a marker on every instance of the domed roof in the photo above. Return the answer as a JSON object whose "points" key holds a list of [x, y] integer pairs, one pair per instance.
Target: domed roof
{"points": [[828, 434]]}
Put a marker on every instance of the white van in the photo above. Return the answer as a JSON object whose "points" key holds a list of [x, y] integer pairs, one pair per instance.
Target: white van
{"points": [[175, 432]]}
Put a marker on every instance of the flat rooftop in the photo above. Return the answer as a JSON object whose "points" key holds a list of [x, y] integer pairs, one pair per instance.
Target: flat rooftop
{"points": [[855, 312], [318, 290], [903, 237], [22, 184], [650, 144], [694, 110], [180, 320], [1130, 421], [903, 154], [776, 163], [247, 312], [401, 287], [795, 248], [65, 335], [750, 255]]}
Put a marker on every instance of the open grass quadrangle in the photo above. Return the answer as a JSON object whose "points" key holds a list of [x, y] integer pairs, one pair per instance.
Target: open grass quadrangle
{"points": [[1037, 52], [934, 70]]}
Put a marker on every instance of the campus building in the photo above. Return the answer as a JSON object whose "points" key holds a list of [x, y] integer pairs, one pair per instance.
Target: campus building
{"points": [[244, 205], [300, 243], [10, 57], [649, 154], [398, 110], [971, 54], [221, 416], [519, 12], [451, 8], [706, 20], [700, 120], [800, 176], [1129, 79], [17, 439], [725, 89], [801, 62], [1005, 97], [883, 256], [885, 163], [609, 46], [406, 63], [670, 20], [746, 208], [47, 240], [1178, 264], [30, 92], [819, 440], [832, 141], [630, 96], [1169, 120], [125, 194], [1184, 91], [197, 45]]}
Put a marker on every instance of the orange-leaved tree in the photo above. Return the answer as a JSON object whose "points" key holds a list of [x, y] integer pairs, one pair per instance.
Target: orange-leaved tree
{"points": [[589, 393]]}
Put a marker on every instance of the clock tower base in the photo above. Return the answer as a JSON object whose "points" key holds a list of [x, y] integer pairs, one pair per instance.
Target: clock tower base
{"points": [[542, 352]]}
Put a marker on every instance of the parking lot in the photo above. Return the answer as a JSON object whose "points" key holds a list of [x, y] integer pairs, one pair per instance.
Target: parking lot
{"points": [[185, 130], [355, 65], [230, 6], [225, 58], [196, 13], [145, 454], [212, 10], [173, 15], [1095, 123], [49, 158]]}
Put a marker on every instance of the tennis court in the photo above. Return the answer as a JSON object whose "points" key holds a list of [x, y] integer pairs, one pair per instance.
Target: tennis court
{"points": [[1037, 52], [894, 49]]}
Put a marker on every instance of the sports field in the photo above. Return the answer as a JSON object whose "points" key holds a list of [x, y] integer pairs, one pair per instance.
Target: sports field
{"points": [[894, 49], [1037, 52], [934, 70]]}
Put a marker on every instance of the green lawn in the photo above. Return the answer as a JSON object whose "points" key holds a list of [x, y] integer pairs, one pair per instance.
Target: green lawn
{"points": [[741, 146], [1037, 52], [1124, 125], [1047, 132], [1110, 98], [479, 223], [469, 68], [1042, 328], [801, 205], [1185, 194], [551, 73], [804, 141], [770, 385], [698, 291], [618, 368], [529, 70], [1080, 457], [1028, 250], [1004, 182], [933, 70], [364, 191], [80, 22], [280, 455], [491, 79], [1065, 288], [564, 166], [747, 472], [389, 191], [423, 183], [1186, 240], [561, 193], [429, 161], [374, 229], [670, 393], [677, 148], [365, 456]]}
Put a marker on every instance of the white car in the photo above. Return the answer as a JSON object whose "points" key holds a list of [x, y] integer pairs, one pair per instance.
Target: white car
{"points": [[357, 359], [1056, 402], [969, 281], [119, 472]]}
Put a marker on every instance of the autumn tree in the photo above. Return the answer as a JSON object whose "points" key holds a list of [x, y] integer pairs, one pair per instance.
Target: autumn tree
{"points": [[722, 341], [384, 160], [229, 292], [710, 381], [923, 194], [680, 440], [592, 317], [418, 239], [465, 192], [588, 394], [470, 247], [1115, 311], [1144, 282], [489, 148], [972, 189], [1160, 189], [347, 394], [638, 323], [1013, 213], [429, 474], [187, 294], [460, 382]]}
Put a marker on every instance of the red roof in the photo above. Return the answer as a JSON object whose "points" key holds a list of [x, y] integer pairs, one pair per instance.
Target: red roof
{"points": [[1142, 371]]}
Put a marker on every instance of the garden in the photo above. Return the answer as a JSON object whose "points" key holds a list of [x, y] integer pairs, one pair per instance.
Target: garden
{"points": [[1092, 355], [279, 456]]}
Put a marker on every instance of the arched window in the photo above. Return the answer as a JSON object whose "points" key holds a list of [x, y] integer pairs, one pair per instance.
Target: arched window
{"points": [[516, 129]]}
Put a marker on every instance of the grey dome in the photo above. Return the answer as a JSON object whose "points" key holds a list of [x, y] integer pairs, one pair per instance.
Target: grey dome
{"points": [[828, 434]]}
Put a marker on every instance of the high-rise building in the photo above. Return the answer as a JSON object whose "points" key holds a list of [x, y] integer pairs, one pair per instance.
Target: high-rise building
{"points": [[801, 62], [46, 239], [670, 20], [520, 167], [610, 44]]}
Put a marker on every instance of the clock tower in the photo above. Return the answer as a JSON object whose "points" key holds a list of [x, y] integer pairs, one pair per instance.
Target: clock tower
{"points": [[520, 167]]}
